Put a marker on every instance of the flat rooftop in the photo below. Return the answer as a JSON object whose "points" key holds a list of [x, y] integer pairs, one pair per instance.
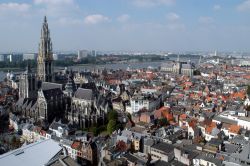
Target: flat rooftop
{"points": [[35, 154]]}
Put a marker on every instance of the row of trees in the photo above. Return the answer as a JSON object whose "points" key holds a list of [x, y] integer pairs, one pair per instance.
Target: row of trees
{"points": [[113, 123]]}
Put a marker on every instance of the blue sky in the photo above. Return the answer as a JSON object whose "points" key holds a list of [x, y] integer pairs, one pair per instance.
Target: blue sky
{"points": [[127, 25]]}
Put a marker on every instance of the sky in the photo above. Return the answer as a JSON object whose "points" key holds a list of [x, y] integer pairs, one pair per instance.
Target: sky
{"points": [[127, 25]]}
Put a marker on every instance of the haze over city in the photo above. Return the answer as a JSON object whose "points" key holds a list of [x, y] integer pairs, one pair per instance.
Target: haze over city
{"points": [[143, 25]]}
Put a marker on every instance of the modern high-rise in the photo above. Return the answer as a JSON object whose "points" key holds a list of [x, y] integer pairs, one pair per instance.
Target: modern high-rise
{"points": [[82, 54], [45, 56]]}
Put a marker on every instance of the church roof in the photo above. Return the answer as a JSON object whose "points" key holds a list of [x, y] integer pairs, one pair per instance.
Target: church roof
{"points": [[20, 101], [50, 85], [86, 94], [31, 103], [52, 93]]}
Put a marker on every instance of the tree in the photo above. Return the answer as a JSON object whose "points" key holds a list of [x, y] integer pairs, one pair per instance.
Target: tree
{"points": [[94, 130], [119, 126], [13, 140], [163, 122], [111, 126], [129, 116], [112, 115], [248, 89], [121, 146]]}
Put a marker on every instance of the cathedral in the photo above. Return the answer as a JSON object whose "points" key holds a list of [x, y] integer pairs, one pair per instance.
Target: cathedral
{"points": [[30, 82], [41, 99]]}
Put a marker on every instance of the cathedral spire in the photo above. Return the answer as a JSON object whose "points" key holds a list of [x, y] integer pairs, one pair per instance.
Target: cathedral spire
{"points": [[45, 55], [45, 19]]}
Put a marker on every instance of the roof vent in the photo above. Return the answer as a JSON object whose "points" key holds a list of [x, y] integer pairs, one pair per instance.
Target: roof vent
{"points": [[18, 152]]}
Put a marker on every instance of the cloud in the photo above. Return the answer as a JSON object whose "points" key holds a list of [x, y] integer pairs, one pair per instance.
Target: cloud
{"points": [[53, 2], [68, 21], [172, 16], [123, 18], [244, 6], [152, 3], [206, 20], [14, 7], [57, 8], [217, 7], [95, 19], [176, 27]]}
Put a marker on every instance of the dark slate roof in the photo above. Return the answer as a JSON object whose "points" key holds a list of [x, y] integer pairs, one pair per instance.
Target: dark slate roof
{"points": [[189, 151], [90, 85], [176, 163], [243, 154], [215, 141], [131, 158], [55, 125], [239, 139], [31, 103], [33, 108], [231, 148], [26, 102], [161, 163], [86, 94], [167, 148], [48, 94], [50, 85], [247, 134]]}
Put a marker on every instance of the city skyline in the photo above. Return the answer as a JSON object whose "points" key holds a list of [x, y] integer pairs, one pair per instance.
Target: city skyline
{"points": [[136, 25]]}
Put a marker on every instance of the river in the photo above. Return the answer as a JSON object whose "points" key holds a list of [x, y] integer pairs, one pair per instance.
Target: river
{"points": [[137, 65]]}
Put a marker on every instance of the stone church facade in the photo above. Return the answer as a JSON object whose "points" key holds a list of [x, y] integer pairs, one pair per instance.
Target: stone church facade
{"points": [[43, 100], [39, 98]]}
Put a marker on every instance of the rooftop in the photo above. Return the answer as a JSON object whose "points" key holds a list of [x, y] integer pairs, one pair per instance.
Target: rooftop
{"points": [[38, 153]]}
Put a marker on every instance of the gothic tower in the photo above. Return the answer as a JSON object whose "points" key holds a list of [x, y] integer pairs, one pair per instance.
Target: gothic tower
{"points": [[27, 84], [45, 55]]}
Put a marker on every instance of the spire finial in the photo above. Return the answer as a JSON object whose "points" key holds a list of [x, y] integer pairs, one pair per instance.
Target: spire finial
{"points": [[45, 19]]}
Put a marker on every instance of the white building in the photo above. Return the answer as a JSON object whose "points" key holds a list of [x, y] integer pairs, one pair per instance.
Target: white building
{"points": [[140, 102], [82, 54], [29, 56], [2, 58]]}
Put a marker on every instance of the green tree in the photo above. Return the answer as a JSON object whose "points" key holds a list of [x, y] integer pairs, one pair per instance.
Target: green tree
{"points": [[112, 115], [248, 89], [111, 126], [129, 116], [163, 122], [13, 140], [119, 126], [94, 130]]}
